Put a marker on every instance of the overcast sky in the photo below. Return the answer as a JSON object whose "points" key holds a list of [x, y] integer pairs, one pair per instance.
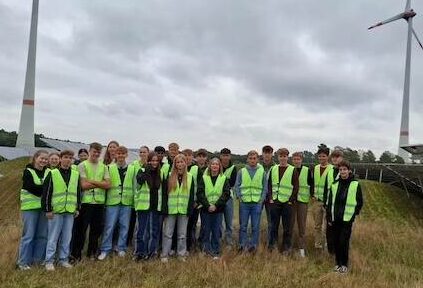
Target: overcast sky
{"points": [[213, 74]]}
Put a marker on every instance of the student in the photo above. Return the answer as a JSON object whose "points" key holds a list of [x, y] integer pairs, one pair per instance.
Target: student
{"points": [[201, 159], [119, 201], [82, 156], [193, 217], [345, 201], [143, 158], [336, 157], [167, 164], [251, 189], [53, 160], [148, 204], [213, 192], [267, 163], [320, 173], [299, 207], [178, 202], [95, 181], [230, 172], [109, 156], [61, 201], [283, 192], [33, 242]]}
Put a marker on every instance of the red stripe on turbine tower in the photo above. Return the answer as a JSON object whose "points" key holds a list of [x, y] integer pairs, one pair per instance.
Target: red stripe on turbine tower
{"points": [[28, 102]]}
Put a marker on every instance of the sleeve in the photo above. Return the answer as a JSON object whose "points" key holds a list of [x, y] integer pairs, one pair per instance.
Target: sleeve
{"points": [[201, 195], [165, 196], [269, 187], [232, 180], [265, 189], [295, 186], [310, 182], [81, 169], [325, 192], [191, 199], [79, 194], [329, 206], [29, 185], [359, 199], [141, 177], [226, 194], [237, 187], [47, 194]]}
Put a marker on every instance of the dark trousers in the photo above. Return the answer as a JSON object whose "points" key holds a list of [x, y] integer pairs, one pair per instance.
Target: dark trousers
{"points": [[278, 210], [148, 233], [192, 229], [132, 222], [341, 237], [91, 215], [329, 239]]}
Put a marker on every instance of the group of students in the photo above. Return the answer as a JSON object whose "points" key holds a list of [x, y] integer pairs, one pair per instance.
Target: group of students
{"points": [[160, 200]]}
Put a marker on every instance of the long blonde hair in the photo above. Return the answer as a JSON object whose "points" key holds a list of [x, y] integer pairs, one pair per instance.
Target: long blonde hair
{"points": [[173, 178]]}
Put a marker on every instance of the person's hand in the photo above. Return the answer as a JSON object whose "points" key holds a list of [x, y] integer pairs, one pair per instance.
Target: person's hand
{"points": [[50, 215], [329, 223], [76, 214], [271, 201], [195, 205], [212, 208]]}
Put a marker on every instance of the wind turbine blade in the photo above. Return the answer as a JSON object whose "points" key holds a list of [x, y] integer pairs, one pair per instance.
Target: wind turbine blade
{"points": [[417, 38], [396, 17], [408, 5]]}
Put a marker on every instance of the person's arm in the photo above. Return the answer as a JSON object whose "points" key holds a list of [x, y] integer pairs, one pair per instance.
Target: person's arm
{"points": [[226, 194], [141, 177], [310, 182], [201, 194], [105, 183], [295, 186], [191, 197], [237, 187], [47, 194], [29, 185], [265, 189], [269, 188], [359, 199], [79, 195], [329, 207], [165, 192], [232, 180], [325, 191]]}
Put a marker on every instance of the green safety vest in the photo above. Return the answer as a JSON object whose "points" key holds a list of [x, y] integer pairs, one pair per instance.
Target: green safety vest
{"points": [[30, 201], [121, 193], [137, 166], [351, 202], [178, 198], [228, 171], [73, 166], [194, 172], [213, 192], [304, 189], [142, 197], [97, 195], [65, 197], [165, 170], [319, 180], [282, 190], [251, 189]]}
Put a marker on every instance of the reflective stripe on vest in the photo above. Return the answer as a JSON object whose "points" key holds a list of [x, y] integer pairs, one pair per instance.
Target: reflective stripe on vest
{"points": [[97, 195], [65, 197], [351, 202], [282, 190], [121, 193], [213, 192], [30, 201], [304, 189], [251, 189], [178, 198], [319, 180]]}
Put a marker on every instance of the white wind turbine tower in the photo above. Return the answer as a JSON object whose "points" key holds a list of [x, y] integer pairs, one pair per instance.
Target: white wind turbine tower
{"points": [[407, 15]]}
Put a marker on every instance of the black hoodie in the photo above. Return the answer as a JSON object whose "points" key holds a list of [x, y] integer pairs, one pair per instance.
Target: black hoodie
{"points": [[28, 182], [154, 182]]}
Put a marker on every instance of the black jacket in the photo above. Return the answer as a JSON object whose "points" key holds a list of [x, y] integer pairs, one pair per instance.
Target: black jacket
{"points": [[165, 197], [221, 202], [232, 179], [28, 182], [341, 199], [152, 177]]}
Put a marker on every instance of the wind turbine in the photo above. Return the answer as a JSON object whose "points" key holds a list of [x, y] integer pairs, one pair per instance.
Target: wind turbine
{"points": [[407, 15]]}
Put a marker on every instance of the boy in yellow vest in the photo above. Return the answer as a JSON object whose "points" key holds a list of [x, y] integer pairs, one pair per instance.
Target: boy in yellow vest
{"points": [[267, 163], [283, 192], [95, 181], [61, 201]]}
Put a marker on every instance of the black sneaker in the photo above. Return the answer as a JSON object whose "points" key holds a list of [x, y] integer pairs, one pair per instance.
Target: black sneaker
{"points": [[252, 250]]}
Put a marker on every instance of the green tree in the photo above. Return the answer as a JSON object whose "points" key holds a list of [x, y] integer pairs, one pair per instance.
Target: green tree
{"points": [[368, 157], [386, 157], [399, 160]]}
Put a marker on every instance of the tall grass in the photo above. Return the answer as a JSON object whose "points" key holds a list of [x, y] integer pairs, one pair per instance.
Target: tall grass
{"points": [[386, 251]]}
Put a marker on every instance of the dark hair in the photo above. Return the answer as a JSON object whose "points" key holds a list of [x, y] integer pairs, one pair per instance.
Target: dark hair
{"points": [[96, 146], [323, 150], [282, 151], [145, 147], [66, 153], [82, 150], [122, 149], [267, 149], [107, 157], [149, 169], [201, 152], [337, 153], [37, 154], [225, 151], [345, 163], [187, 152], [298, 154], [159, 149]]}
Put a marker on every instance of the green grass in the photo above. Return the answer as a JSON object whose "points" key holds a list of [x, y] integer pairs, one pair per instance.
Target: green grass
{"points": [[385, 252]]}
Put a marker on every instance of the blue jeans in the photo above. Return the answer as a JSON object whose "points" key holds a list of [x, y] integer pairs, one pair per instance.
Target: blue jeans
{"points": [[249, 211], [148, 232], [228, 214], [32, 249], [212, 222], [120, 215], [59, 236]]}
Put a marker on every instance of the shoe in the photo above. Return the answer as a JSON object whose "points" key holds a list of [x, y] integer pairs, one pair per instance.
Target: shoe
{"points": [[318, 246], [50, 267], [216, 258], [336, 268], [343, 269], [121, 253], [102, 256], [240, 250], [182, 258], [172, 252], [252, 250], [164, 260], [66, 265], [302, 253], [24, 267], [74, 260]]}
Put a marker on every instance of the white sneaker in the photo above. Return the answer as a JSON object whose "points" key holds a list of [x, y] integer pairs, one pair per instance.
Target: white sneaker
{"points": [[172, 252], [50, 267], [343, 269], [302, 253], [102, 256], [66, 265], [336, 268], [216, 258], [318, 246], [121, 253], [164, 260], [24, 267]]}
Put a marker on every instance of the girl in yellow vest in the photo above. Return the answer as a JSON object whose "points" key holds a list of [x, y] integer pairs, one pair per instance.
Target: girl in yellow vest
{"points": [[345, 201], [33, 242], [61, 201], [213, 193], [109, 156], [178, 202], [53, 160], [148, 205]]}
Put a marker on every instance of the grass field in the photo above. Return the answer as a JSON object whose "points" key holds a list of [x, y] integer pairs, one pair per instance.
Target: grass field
{"points": [[386, 251]]}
